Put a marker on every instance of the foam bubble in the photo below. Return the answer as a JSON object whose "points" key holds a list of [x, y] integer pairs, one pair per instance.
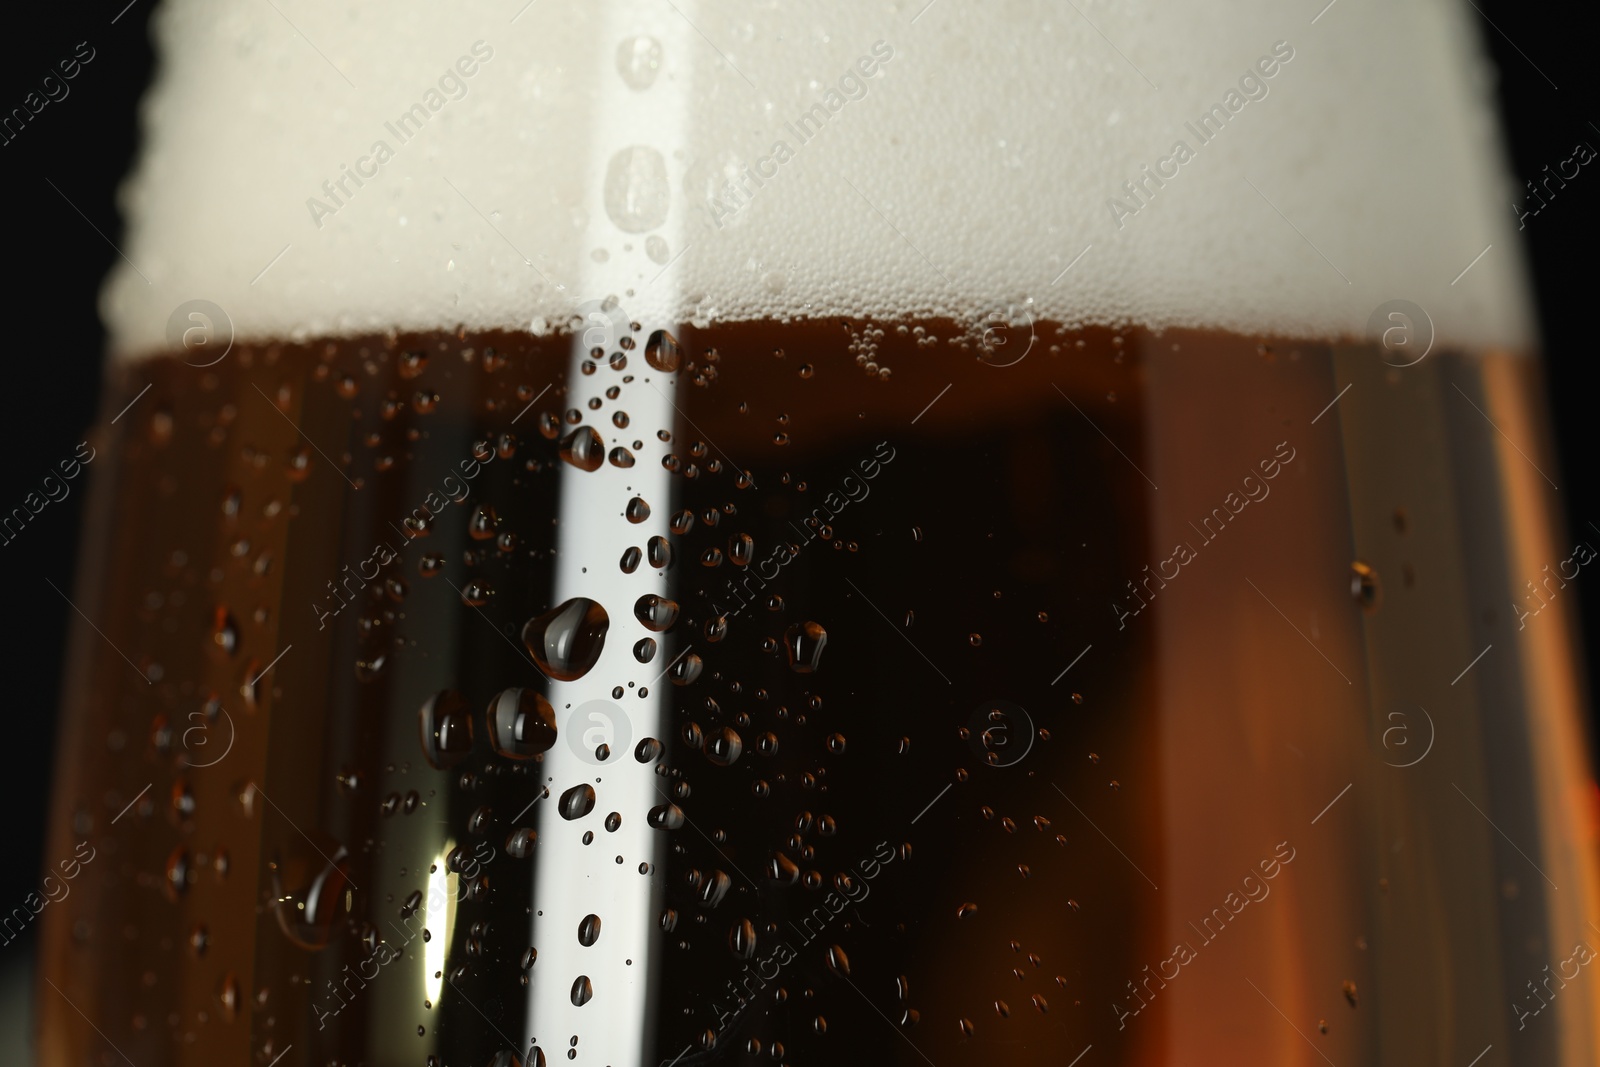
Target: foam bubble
{"points": [[353, 166]]}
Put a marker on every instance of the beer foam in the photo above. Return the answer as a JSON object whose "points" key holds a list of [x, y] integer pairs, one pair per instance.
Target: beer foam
{"points": [[336, 168]]}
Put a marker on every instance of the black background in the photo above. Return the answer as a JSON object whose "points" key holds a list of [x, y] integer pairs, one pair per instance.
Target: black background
{"points": [[56, 262]]}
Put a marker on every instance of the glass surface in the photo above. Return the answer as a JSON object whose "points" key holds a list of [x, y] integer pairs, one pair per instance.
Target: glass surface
{"points": [[895, 689]]}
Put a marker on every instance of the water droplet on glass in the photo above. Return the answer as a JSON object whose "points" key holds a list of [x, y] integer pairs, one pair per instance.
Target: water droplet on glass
{"points": [[663, 352], [837, 961], [521, 723], [567, 640], [638, 61], [582, 991], [637, 511], [224, 631], [665, 817], [589, 930], [584, 449], [656, 613], [644, 650], [723, 747], [445, 725], [484, 523], [309, 915], [742, 939], [630, 560], [687, 669], [1364, 586], [577, 802], [659, 550], [636, 189], [520, 842], [804, 642]]}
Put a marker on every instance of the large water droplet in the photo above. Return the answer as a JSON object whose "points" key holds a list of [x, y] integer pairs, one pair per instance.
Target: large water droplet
{"points": [[582, 991], [714, 887], [577, 802], [838, 962], [566, 641], [584, 449], [636, 189], [663, 352], [687, 669], [804, 642], [665, 817], [637, 510], [589, 930], [445, 725], [656, 612], [521, 723], [723, 747], [659, 550], [782, 869], [309, 916]]}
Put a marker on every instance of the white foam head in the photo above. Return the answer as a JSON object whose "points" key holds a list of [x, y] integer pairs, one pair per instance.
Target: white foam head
{"points": [[947, 162]]}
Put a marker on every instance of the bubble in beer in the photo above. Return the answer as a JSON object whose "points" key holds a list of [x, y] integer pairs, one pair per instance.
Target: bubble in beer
{"points": [[445, 724], [521, 723], [663, 352], [566, 641], [584, 449], [803, 644], [577, 802]]}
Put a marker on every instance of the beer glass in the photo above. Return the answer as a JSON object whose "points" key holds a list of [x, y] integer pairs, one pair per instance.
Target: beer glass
{"points": [[673, 532]]}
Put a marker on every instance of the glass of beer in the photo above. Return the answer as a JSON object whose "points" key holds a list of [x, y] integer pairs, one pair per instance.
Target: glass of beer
{"points": [[666, 533]]}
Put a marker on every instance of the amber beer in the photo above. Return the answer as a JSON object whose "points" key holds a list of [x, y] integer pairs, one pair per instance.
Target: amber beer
{"points": [[748, 644]]}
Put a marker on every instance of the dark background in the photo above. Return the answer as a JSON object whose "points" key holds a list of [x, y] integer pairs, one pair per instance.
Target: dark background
{"points": [[84, 144]]}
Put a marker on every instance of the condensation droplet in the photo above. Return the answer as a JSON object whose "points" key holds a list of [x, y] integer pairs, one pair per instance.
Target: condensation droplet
{"points": [[521, 723], [567, 641], [636, 189], [663, 352], [577, 802], [803, 643]]}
